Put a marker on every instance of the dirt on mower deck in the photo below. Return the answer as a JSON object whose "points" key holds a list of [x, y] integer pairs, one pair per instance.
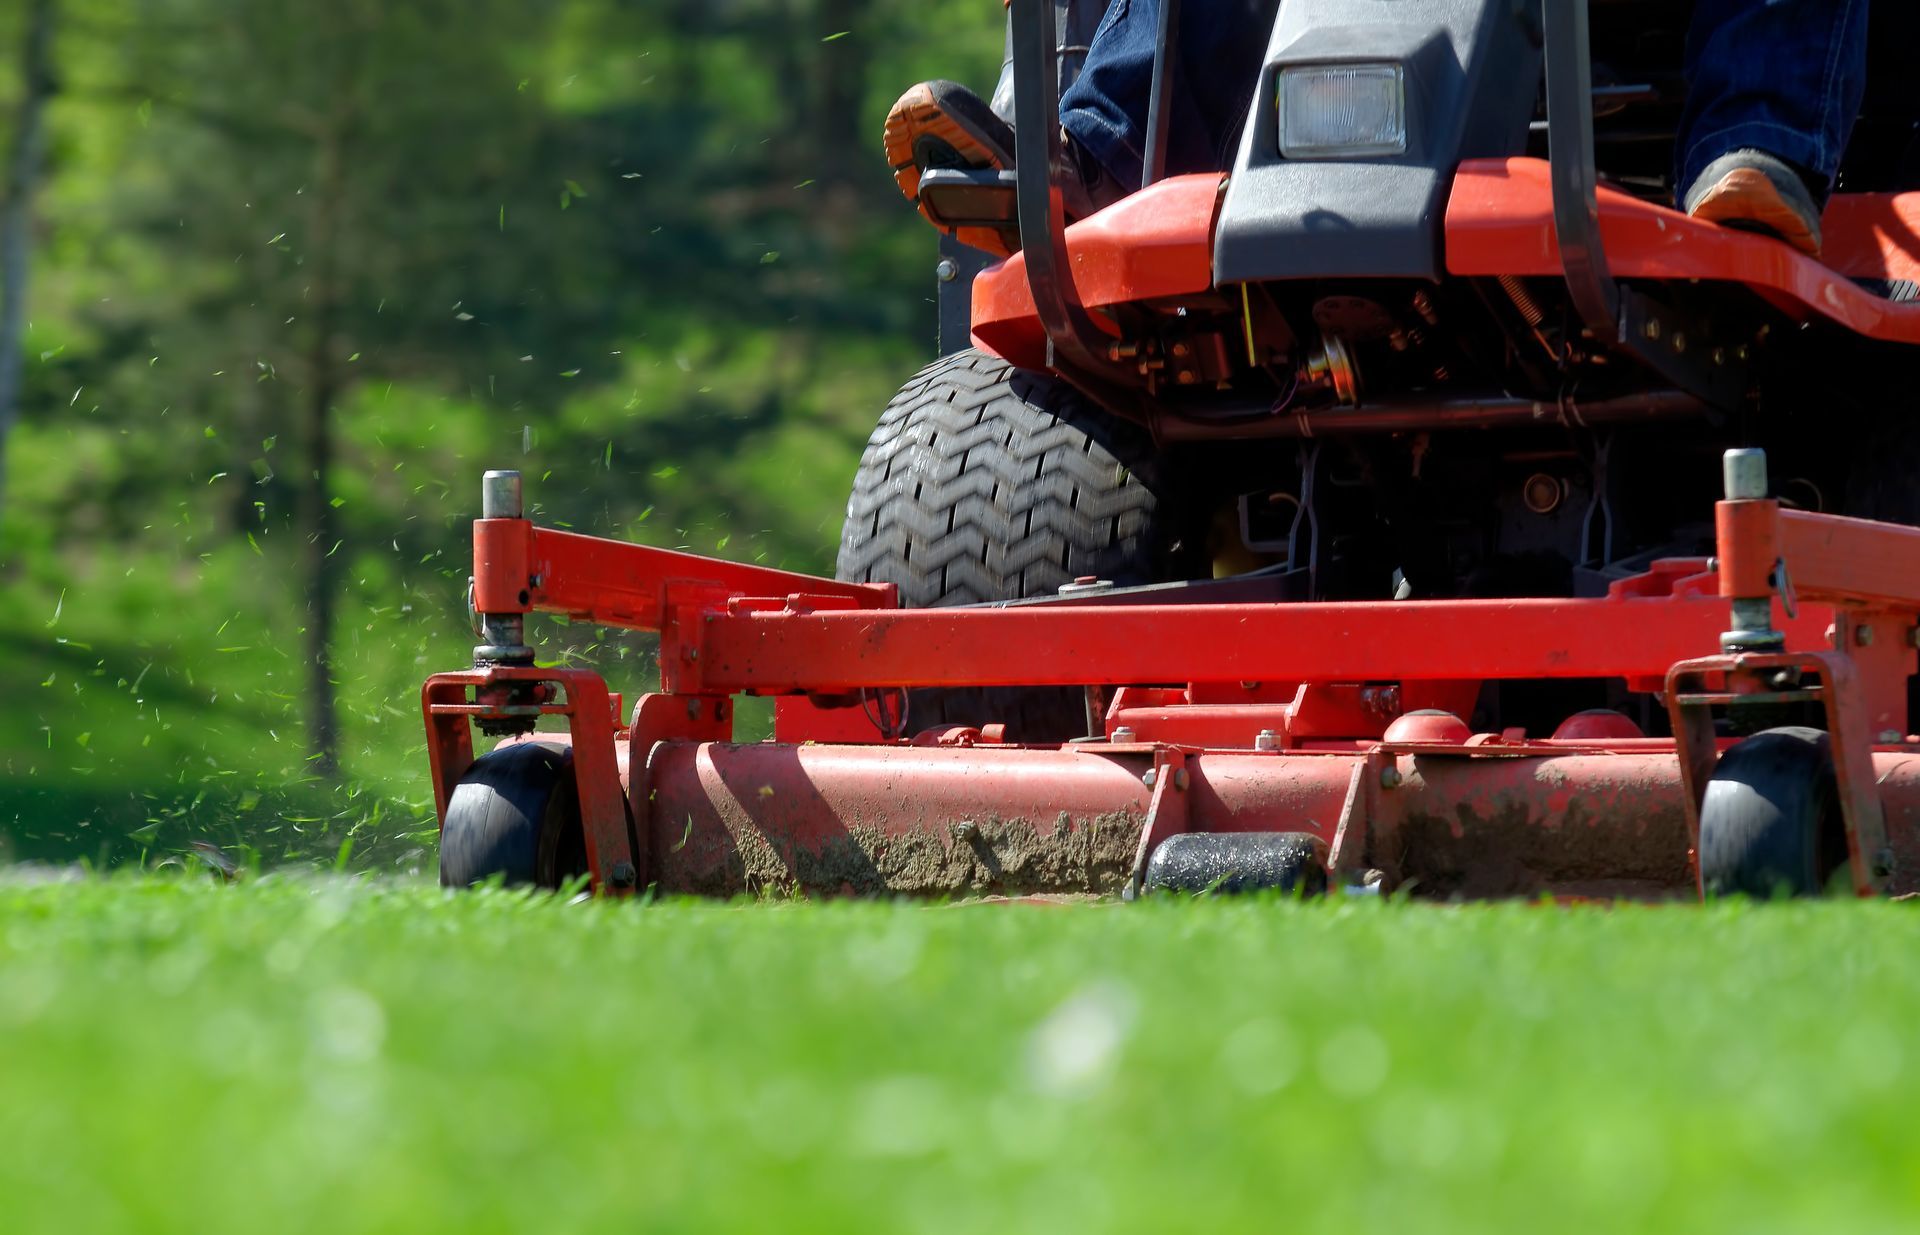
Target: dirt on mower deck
{"points": [[945, 858]]}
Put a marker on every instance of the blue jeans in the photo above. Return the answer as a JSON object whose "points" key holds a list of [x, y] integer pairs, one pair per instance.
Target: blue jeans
{"points": [[1785, 76], [1221, 46]]}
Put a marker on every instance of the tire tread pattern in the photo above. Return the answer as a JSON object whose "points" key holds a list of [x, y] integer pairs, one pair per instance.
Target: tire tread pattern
{"points": [[985, 482]]}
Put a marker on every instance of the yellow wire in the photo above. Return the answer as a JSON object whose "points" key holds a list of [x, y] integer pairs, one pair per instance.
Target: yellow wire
{"points": [[1246, 319]]}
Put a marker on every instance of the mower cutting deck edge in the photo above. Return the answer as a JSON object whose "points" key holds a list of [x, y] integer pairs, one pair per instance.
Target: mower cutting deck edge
{"points": [[1327, 724]]}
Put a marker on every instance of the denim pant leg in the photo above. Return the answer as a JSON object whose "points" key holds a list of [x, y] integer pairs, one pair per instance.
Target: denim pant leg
{"points": [[1784, 76], [1221, 46]]}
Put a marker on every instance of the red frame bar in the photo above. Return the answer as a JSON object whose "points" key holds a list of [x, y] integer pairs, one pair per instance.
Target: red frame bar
{"points": [[521, 568], [750, 650]]}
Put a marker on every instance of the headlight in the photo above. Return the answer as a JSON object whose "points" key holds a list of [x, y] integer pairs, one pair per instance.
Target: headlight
{"points": [[1334, 110]]}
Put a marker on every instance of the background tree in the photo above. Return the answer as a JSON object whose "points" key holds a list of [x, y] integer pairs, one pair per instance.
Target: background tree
{"points": [[303, 271], [23, 170]]}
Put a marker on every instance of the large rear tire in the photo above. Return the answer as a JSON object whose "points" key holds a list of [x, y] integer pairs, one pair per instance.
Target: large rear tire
{"points": [[985, 482]]}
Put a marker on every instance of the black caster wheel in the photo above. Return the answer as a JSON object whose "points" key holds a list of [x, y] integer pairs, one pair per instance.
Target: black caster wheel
{"points": [[1770, 822], [514, 816]]}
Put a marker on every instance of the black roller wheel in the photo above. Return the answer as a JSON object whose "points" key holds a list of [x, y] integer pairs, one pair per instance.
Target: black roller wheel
{"points": [[515, 816], [1770, 823], [985, 482], [1233, 863]]}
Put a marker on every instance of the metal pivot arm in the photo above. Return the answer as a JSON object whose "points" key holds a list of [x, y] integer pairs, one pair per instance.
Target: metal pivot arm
{"points": [[1576, 202], [519, 568], [1076, 345]]}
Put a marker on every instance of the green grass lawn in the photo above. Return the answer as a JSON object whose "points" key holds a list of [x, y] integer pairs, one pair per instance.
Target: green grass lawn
{"points": [[297, 1055]]}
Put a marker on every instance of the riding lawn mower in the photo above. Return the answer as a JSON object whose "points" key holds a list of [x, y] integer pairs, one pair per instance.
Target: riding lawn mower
{"points": [[1421, 506]]}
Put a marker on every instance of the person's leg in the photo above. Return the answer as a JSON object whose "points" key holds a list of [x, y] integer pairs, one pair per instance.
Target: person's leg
{"points": [[1220, 44], [1783, 78]]}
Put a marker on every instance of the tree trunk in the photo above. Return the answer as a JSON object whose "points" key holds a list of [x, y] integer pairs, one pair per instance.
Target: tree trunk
{"points": [[316, 442], [843, 150], [16, 214]]}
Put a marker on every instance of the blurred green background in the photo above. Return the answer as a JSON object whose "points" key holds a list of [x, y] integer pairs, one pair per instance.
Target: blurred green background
{"points": [[294, 274]]}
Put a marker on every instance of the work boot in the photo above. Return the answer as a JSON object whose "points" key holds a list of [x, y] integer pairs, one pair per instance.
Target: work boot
{"points": [[940, 124], [1752, 190]]}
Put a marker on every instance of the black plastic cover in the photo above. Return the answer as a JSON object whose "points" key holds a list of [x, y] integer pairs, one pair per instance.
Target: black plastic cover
{"points": [[1472, 70]]}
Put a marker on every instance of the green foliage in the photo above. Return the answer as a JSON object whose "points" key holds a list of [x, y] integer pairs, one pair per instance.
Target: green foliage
{"points": [[648, 254], [334, 1056]]}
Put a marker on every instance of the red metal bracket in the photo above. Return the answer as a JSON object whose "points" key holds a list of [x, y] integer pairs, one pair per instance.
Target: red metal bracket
{"points": [[591, 726], [1168, 811], [660, 718], [521, 568], [1696, 687]]}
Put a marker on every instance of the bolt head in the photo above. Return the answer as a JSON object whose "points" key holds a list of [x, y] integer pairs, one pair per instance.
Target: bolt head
{"points": [[946, 271], [623, 875], [1863, 636], [965, 830], [1180, 778], [1390, 778], [1125, 734], [1150, 777]]}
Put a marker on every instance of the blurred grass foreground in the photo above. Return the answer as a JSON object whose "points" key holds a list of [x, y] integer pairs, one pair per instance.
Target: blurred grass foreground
{"points": [[339, 1056], [292, 275]]}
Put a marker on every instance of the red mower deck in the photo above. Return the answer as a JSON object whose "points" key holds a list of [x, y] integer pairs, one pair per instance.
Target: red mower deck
{"points": [[1341, 721]]}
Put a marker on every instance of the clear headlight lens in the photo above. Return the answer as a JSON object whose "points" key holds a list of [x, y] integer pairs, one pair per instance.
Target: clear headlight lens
{"points": [[1334, 110]]}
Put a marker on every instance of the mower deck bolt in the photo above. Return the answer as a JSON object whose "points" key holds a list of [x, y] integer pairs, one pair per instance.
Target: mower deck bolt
{"points": [[1883, 863], [1390, 778], [1889, 737], [965, 831], [1653, 328], [1124, 734], [1180, 778], [1150, 777], [1863, 636], [1266, 739], [623, 875], [946, 271]]}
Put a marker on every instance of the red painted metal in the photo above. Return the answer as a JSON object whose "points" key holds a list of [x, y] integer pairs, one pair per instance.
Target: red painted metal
{"points": [[521, 568], [1500, 222], [1295, 715], [776, 650], [1432, 727], [944, 821], [1157, 242], [1597, 725]]}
